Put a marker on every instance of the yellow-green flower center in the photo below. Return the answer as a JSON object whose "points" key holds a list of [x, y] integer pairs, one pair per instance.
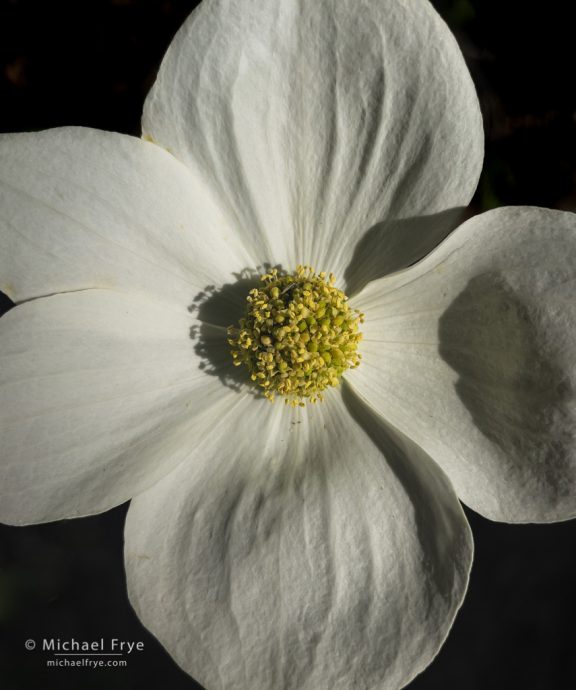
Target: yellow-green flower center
{"points": [[298, 335]]}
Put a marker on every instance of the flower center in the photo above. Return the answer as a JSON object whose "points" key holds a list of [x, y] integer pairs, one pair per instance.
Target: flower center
{"points": [[298, 335]]}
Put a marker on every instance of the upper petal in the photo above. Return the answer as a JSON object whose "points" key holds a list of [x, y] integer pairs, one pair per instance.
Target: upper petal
{"points": [[81, 208], [101, 394], [300, 551], [472, 354], [314, 121]]}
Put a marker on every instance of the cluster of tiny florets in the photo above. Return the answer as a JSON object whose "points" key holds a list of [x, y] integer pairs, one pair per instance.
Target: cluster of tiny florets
{"points": [[298, 335]]}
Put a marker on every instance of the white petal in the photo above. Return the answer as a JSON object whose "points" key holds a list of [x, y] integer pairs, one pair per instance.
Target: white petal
{"points": [[314, 121], [303, 552], [80, 208], [101, 395], [472, 353]]}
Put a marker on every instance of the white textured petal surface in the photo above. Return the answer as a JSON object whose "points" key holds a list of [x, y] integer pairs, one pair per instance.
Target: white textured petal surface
{"points": [[101, 395], [472, 353], [315, 121], [302, 553], [81, 208]]}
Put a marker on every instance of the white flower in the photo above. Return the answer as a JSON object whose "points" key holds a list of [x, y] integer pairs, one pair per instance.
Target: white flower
{"points": [[268, 548]]}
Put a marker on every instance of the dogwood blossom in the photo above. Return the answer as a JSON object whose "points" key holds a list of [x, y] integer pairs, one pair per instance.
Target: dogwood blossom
{"points": [[320, 544]]}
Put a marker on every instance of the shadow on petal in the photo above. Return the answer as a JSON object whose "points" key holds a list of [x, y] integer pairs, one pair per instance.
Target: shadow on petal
{"points": [[5, 304], [392, 245], [516, 394], [216, 308], [422, 482]]}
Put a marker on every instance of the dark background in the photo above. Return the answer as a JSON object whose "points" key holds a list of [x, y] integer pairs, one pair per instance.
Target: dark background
{"points": [[91, 63]]}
